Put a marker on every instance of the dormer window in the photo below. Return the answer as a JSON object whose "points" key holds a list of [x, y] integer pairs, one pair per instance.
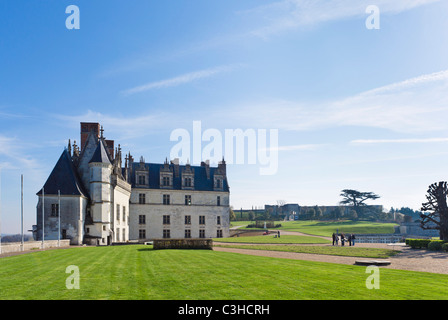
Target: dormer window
{"points": [[166, 181], [187, 182], [141, 180], [218, 183]]}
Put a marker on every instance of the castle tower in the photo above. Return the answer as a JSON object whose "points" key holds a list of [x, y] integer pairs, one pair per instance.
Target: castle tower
{"points": [[100, 167]]}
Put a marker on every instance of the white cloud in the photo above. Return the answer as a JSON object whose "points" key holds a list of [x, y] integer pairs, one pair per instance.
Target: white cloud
{"points": [[415, 105], [291, 14], [176, 81], [380, 141]]}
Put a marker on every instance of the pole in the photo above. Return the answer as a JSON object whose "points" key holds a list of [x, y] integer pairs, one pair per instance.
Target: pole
{"points": [[0, 212], [59, 218], [21, 212], [43, 218]]}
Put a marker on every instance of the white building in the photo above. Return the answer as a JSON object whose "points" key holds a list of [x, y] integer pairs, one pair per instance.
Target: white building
{"points": [[102, 202]]}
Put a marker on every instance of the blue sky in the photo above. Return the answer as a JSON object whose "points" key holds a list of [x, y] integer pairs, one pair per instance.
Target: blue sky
{"points": [[354, 108]]}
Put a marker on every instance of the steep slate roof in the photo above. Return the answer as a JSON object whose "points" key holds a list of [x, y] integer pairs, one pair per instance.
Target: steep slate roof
{"points": [[64, 178], [201, 183], [100, 154]]}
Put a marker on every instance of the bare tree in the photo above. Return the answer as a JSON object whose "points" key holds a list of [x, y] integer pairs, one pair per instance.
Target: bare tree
{"points": [[435, 210]]}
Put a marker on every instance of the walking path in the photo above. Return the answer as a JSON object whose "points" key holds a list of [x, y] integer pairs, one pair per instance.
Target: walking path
{"points": [[406, 259]]}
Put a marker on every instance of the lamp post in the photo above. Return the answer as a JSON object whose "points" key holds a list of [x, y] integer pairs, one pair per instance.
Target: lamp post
{"points": [[43, 218]]}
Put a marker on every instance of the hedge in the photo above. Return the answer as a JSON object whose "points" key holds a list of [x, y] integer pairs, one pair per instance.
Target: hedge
{"points": [[434, 245]]}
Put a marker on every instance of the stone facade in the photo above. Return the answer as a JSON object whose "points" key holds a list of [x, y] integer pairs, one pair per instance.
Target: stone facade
{"points": [[101, 202]]}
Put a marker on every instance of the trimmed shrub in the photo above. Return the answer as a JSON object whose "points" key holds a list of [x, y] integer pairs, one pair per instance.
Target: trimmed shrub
{"points": [[418, 243], [445, 247], [435, 245]]}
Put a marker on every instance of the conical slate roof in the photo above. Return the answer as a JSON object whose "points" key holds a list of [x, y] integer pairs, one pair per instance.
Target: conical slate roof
{"points": [[64, 178], [100, 155]]}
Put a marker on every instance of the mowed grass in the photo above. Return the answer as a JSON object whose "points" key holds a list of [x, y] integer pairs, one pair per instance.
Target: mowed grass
{"points": [[326, 228], [138, 272], [272, 240]]}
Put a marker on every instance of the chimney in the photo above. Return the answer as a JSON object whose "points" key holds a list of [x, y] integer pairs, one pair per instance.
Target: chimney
{"points": [[86, 128]]}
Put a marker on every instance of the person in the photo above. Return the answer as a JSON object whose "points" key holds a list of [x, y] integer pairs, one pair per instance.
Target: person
{"points": [[334, 238], [337, 239], [342, 239], [278, 233], [353, 239], [349, 239]]}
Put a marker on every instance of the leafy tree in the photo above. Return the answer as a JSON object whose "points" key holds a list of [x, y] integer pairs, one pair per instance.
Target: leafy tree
{"points": [[435, 210], [357, 199]]}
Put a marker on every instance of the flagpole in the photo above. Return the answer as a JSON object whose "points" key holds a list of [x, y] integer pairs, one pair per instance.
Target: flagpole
{"points": [[21, 211], [0, 211], [43, 218], [59, 218]]}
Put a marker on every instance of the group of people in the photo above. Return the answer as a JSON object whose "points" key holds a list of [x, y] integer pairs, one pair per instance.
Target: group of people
{"points": [[350, 238]]}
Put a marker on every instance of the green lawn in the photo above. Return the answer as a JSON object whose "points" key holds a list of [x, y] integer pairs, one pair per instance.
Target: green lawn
{"points": [[138, 272], [326, 228], [270, 239], [329, 250]]}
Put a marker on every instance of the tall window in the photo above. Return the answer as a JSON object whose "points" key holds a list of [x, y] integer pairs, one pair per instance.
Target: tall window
{"points": [[218, 201], [187, 233], [218, 183], [201, 233], [54, 209], [187, 219], [166, 234], [166, 219], [188, 182], [201, 219], [118, 212], [142, 234], [219, 233], [124, 213], [166, 181], [141, 180], [141, 198], [118, 234], [188, 200], [166, 199], [218, 220], [141, 219]]}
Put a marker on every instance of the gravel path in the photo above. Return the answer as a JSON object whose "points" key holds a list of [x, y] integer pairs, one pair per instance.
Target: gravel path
{"points": [[406, 259]]}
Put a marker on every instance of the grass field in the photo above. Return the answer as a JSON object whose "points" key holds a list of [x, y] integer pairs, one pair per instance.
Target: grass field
{"points": [[138, 272], [270, 239], [326, 228]]}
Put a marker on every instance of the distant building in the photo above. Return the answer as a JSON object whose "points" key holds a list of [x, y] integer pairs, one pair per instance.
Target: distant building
{"points": [[102, 202]]}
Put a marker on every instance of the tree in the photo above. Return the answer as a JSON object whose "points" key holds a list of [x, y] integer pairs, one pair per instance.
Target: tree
{"points": [[232, 215], [435, 210], [357, 199]]}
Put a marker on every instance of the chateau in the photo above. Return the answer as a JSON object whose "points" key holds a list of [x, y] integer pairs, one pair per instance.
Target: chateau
{"points": [[101, 202]]}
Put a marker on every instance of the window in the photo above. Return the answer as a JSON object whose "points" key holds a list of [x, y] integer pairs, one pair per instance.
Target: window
{"points": [[188, 200], [118, 234], [88, 230], [166, 199], [187, 233], [141, 198], [166, 219], [142, 219], [142, 234], [124, 234], [166, 234], [187, 182], [124, 213], [118, 212], [141, 180], [165, 181], [218, 220], [54, 210], [104, 228], [218, 201], [219, 233], [187, 219], [201, 219], [201, 233]]}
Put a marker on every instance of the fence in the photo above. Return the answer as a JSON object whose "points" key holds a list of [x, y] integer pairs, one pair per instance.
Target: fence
{"points": [[8, 247]]}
